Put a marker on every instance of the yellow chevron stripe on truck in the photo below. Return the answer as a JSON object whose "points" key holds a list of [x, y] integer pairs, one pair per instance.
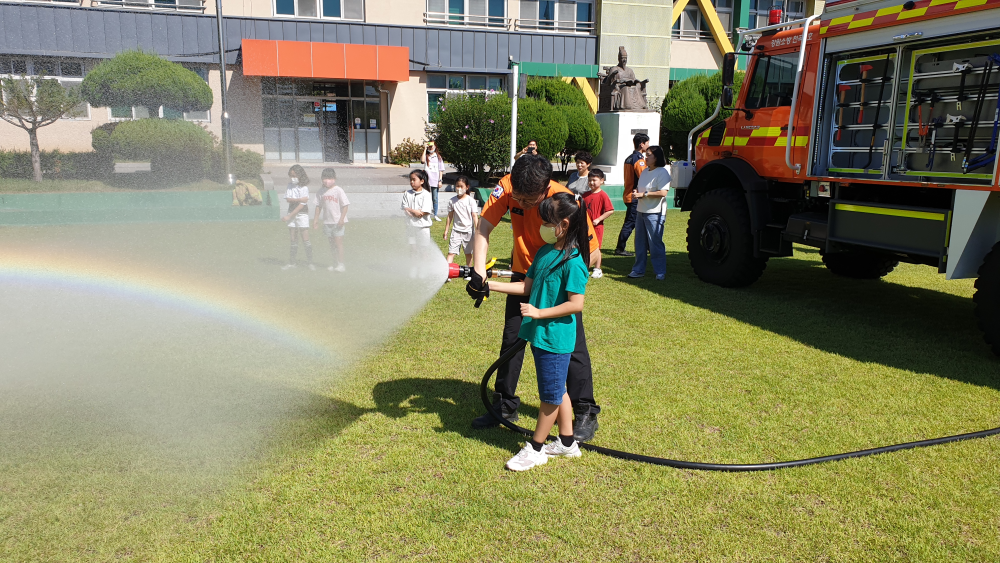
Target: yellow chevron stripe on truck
{"points": [[797, 141]]}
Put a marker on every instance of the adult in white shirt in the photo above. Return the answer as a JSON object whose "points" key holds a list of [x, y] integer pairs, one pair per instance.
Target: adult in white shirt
{"points": [[651, 190], [434, 166]]}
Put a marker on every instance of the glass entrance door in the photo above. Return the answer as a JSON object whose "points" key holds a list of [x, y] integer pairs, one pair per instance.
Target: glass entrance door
{"points": [[334, 126]]}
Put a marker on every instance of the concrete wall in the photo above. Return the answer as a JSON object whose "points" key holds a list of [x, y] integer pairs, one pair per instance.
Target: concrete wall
{"points": [[409, 108], [399, 12], [695, 54], [643, 28]]}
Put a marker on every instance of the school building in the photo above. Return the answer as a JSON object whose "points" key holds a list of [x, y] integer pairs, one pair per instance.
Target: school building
{"points": [[703, 30], [328, 80]]}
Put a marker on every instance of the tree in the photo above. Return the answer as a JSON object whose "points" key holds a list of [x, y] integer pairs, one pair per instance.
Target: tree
{"points": [[555, 92], [689, 103], [134, 78], [542, 122], [473, 133], [33, 103]]}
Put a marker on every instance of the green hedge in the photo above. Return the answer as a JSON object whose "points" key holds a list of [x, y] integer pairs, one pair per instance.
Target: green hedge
{"points": [[542, 122], [584, 131], [56, 165], [177, 149], [689, 103], [555, 92]]}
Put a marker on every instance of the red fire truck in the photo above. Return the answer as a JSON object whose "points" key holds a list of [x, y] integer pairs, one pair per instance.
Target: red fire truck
{"points": [[869, 132]]}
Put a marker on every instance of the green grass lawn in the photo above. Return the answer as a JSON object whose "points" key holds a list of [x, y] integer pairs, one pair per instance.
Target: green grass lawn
{"points": [[380, 461]]}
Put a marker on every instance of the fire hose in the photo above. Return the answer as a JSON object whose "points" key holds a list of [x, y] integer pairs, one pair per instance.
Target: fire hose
{"points": [[455, 271], [732, 467]]}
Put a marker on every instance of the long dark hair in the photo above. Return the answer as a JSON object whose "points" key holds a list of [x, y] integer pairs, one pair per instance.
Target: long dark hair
{"points": [[300, 173], [565, 205]]}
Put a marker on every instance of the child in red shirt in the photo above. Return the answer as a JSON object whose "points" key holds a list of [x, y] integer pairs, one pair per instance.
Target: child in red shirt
{"points": [[599, 208]]}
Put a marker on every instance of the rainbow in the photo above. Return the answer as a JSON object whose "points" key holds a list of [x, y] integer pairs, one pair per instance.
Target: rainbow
{"points": [[159, 287]]}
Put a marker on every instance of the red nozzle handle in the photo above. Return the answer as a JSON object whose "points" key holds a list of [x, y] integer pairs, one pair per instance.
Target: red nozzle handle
{"points": [[454, 271]]}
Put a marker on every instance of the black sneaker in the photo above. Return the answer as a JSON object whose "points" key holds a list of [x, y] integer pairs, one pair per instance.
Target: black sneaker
{"points": [[489, 421], [584, 427], [624, 253]]}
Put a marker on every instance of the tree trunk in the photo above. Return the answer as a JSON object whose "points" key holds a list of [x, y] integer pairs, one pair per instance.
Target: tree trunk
{"points": [[36, 155]]}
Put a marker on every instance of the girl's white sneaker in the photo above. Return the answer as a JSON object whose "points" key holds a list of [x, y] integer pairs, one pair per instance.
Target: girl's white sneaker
{"points": [[557, 449], [527, 458], [597, 273]]}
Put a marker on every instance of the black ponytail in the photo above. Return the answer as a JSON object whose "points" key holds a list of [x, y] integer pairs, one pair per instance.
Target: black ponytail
{"points": [[565, 205]]}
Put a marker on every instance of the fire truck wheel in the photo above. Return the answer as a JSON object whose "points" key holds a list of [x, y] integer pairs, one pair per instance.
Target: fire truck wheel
{"points": [[987, 299], [719, 241], [860, 264]]}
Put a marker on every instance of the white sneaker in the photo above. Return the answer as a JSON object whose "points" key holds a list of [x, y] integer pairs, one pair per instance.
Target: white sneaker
{"points": [[526, 459], [312, 267], [436, 218], [557, 449], [288, 266], [340, 268], [597, 273]]}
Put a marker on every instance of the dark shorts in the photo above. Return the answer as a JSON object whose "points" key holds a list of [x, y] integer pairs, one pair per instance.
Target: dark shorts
{"points": [[551, 369]]}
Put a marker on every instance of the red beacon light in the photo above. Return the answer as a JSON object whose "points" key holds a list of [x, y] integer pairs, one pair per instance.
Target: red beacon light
{"points": [[774, 16]]}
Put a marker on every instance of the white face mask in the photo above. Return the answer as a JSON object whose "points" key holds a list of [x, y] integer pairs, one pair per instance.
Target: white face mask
{"points": [[548, 234], [294, 181], [460, 191]]}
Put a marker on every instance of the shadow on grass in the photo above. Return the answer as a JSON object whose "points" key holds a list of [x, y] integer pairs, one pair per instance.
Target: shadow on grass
{"points": [[916, 329], [456, 402]]}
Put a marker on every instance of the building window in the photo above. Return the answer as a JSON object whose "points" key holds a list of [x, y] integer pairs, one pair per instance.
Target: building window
{"points": [[760, 9], [68, 73], [340, 9], [440, 86], [693, 25], [549, 15], [482, 13]]}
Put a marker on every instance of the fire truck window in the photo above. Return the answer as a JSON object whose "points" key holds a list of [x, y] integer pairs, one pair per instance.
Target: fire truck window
{"points": [[773, 81]]}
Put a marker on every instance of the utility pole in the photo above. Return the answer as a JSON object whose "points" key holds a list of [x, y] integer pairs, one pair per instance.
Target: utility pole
{"points": [[226, 141], [513, 110]]}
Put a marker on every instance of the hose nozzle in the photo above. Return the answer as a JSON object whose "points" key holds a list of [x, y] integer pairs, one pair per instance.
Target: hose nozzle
{"points": [[456, 271]]}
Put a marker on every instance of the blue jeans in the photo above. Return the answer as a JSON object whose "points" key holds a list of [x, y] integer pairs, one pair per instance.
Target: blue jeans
{"points": [[649, 237], [551, 369], [434, 198]]}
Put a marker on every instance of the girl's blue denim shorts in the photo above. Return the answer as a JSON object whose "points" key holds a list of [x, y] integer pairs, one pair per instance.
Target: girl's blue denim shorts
{"points": [[551, 369]]}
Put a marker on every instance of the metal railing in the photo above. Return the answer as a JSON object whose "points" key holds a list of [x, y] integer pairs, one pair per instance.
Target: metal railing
{"points": [[166, 5], [522, 24], [466, 20]]}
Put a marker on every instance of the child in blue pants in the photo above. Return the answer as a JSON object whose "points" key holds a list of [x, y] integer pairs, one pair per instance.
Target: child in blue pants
{"points": [[555, 284]]}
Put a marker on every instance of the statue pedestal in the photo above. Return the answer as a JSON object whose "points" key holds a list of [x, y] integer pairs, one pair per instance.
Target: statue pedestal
{"points": [[618, 128]]}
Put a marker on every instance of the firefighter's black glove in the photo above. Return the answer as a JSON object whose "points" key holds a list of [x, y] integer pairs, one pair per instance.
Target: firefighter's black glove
{"points": [[477, 288]]}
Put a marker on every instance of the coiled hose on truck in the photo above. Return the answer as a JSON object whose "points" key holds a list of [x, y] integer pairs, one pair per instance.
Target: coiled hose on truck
{"points": [[681, 464]]}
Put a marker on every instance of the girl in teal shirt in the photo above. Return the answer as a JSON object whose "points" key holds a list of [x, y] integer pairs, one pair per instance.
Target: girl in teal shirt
{"points": [[555, 284]]}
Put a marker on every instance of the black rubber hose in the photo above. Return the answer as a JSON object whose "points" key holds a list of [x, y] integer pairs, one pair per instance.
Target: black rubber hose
{"points": [[680, 464]]}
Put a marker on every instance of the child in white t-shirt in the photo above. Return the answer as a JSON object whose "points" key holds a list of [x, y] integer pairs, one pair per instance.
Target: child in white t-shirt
{"points": [[297, 196], [463, 220], [418, 206], [332, 202]]}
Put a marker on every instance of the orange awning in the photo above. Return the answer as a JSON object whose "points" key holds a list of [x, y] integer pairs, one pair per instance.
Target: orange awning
{"points": [[305, 59]]}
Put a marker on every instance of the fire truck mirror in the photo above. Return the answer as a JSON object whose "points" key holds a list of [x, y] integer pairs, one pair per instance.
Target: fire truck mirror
{"points": [[728, 68], [727, 97]]}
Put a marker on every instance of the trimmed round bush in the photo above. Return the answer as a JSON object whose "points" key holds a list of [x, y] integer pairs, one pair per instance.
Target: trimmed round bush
{"points": [[555, 92], [584, 131], [473, 134], [689, 103], [134, 78], [178, 150], [542, 122], [247, 164]]}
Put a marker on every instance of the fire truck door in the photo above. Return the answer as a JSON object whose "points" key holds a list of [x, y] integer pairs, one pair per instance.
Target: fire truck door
{"points": [[761, 136]]}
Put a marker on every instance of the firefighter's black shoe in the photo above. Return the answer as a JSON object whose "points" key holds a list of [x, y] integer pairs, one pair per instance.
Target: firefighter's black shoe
{"points": [[584, 427], [624, 253], [489, 421]]}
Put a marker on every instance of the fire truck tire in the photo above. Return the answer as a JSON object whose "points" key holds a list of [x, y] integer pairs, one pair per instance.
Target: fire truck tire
{"points": [[860, 264], [987, 299], [719, 240]]}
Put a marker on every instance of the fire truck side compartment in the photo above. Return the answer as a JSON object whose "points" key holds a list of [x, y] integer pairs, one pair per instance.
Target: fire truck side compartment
{"points": [[909, 230]]}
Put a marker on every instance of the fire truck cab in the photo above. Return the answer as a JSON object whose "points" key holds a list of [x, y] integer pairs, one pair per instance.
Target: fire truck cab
{"points": [[869, 132]]}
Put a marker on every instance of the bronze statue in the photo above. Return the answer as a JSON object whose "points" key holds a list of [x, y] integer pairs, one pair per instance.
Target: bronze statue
{"points": [[620, 90]]}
